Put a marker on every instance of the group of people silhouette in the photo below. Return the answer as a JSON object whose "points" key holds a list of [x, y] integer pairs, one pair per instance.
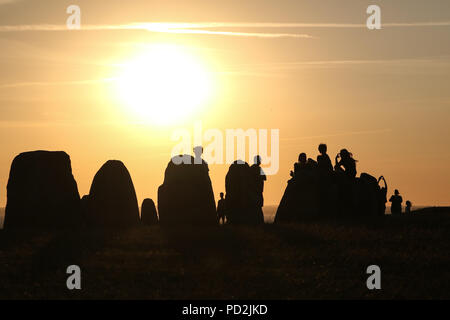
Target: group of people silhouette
{"points": [[343, 173], [344, 163], [317, 187], [319, 175]]}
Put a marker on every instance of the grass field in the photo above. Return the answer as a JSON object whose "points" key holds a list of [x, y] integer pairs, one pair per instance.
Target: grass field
{"points": [[312, 260]]}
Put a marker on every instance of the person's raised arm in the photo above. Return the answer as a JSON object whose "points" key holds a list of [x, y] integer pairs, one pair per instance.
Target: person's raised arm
{"points": [[381, 178]]}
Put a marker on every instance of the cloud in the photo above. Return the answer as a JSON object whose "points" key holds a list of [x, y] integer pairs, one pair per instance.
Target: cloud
{"points": [[176, 28], [205, 27]]}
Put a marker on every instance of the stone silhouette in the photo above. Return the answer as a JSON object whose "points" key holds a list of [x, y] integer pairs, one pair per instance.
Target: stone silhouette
{"points": [[149, 216], [112, 197], [42, 192], [84, 207], [186, 196], [367, 195], [243, 200], [301, 196]]}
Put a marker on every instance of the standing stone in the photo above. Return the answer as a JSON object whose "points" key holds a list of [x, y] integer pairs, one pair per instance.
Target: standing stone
{"points": [[367, 196], [112, 197], [243, 196], [149, 217], [300, 199], [42, 192], [186, 196], [84, 207]]}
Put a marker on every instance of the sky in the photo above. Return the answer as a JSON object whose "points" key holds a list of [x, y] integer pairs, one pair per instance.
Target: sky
{"points": [[311, 69]]}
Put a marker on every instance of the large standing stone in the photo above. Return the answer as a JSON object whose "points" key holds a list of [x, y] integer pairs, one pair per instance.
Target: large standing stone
{"points": [[112, 199], [149, 217], [243, 197], [41, 192], [186, 196], [303, 197], [299, 201], [367, 195]]}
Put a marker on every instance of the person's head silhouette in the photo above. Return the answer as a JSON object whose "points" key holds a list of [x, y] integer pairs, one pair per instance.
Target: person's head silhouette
{"points": [[396, 192], [221, 195], [257, 160], [322, 148], [302, 158], [345, 154]]}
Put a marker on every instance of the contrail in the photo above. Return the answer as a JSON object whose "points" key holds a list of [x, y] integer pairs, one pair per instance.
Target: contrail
{"points": [[175, 28], [195, 28], [272, 68]]}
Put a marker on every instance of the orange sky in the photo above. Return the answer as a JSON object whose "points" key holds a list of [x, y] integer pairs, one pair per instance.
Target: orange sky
{"points": [[308, 68]]}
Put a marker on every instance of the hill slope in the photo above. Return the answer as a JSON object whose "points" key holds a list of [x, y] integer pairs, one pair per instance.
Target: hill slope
{"points": [[323, 259]]}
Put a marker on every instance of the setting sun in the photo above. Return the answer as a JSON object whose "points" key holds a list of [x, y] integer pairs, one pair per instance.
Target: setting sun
{"points": [[163, 84]]}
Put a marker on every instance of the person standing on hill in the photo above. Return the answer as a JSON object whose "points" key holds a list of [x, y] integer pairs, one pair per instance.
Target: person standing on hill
{"points": [[299, 166], [408, 206], [323, 160], [221, 209], [258, 178], [396, 203], [324, 174]]}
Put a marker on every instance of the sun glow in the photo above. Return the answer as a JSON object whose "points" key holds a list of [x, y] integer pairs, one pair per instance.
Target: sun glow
{"points": [[163, 85]]}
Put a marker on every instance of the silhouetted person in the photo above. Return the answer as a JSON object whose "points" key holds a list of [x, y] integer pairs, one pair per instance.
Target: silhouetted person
{"points": [[311, 164], [221, 209], [325, 173], [382, 196], [345, 167], [258, 178], [408, 206], [396, 200], [323, 160], [345, 164], [300, 165]]}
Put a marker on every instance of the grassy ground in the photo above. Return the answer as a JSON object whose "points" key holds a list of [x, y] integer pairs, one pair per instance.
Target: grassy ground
{"points": [[321, 259]]}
